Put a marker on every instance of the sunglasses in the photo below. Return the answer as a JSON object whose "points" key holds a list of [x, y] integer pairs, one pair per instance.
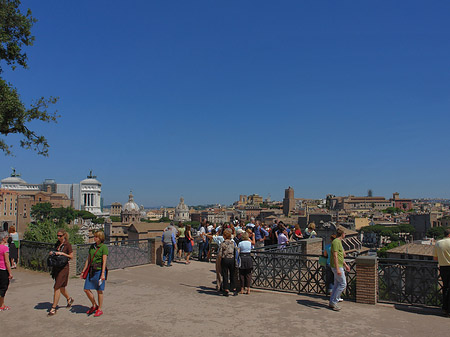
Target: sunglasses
{"points": [[59, 236]]}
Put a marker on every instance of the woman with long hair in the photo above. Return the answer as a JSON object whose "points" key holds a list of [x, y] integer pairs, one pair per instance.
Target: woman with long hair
{"points": [[96, 262], [5, 269], [189, 243], [61, 274], [13, 243], [297, 233]]}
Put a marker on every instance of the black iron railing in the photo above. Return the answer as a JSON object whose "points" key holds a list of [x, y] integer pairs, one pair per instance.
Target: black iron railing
{"points": [[121, 254], [33, 255], [277, 269], [409, 281]]}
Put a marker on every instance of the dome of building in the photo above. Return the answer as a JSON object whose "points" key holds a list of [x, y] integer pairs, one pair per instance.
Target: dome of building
{"points": [[181, 206], [130, 205], [181, 211], [90, 180], [13, 180]]}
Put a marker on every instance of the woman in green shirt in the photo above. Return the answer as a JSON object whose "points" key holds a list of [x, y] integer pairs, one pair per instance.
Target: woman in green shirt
{"points": [[96, 262]]}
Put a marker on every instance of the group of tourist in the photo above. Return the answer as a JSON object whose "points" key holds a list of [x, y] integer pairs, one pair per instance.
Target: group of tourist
{"points": [[94, 271], [178, 240]]}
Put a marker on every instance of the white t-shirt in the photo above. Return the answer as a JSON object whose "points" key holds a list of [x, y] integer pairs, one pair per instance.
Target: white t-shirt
{"points": [[245, 246], [442, 252]]}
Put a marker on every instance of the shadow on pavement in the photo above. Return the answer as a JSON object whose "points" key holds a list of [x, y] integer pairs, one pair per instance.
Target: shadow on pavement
{"points": [[79, 309], [208, 291], [419, 310], [312, 304], [43, 306]]}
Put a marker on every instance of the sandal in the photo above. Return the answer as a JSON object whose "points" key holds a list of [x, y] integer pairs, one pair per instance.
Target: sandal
{"points": [[92, 309], [69, 302], [52, 312], [4, 308]]}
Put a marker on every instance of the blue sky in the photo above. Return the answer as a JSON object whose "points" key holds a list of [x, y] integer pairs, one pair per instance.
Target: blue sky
{"points": [[212, 99]]}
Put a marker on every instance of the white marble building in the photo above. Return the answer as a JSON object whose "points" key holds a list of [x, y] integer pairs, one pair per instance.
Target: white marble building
{"points": [[182, 212]]}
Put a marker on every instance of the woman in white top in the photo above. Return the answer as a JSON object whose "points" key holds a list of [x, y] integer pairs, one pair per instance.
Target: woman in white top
{"points": [[245, 270]]}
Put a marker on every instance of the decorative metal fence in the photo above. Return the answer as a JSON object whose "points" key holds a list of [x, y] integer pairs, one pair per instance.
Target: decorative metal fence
{"points": [[279, 270], [121, 254], [409, 281], [33, 255]]}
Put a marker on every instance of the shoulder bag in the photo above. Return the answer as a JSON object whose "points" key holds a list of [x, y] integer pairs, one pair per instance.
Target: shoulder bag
{"points": [[86, 271]]}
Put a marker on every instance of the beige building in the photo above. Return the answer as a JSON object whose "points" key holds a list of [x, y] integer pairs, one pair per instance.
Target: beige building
{"points": [[361, 222], [16, 206], [353, 203], [116, 209]]}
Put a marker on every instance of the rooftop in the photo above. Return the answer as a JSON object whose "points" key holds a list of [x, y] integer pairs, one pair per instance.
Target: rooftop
{"points": [[181, 301]]}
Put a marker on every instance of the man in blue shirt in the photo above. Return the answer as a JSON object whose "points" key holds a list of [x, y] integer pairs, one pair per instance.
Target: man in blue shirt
{"points": [[169, 241], [260, 235]]}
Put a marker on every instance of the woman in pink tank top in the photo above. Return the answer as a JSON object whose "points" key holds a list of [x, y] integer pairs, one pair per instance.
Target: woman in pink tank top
{"points": [[5, 269]]}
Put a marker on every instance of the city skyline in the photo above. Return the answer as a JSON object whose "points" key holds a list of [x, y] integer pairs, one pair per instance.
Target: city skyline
{"points": [[212, 100]]}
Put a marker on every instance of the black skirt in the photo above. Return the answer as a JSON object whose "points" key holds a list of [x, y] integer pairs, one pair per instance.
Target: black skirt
{"points": [[246, 261]]}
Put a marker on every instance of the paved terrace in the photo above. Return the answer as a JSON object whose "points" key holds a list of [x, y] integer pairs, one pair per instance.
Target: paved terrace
{"points": [[181, 301]]}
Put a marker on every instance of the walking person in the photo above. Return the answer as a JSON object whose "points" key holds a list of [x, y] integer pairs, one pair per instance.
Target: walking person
{"points": [[442, 255], [246, 267], [337, 266], [13, 243], [61, 274], [329, 276], [5, 269], [96, 262], [168, 239], [227, 253]]}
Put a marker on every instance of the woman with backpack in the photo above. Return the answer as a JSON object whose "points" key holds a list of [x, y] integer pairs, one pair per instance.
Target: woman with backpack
{"points": [[61, 273]]}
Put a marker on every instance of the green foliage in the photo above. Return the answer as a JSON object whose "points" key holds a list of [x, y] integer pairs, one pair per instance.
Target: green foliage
{"points": [[41, 211], [164, 219], [115, 218], [15, 118], [98, 221], [392, 210], [85, 215], [46, 230], [436, 232], [382, 252]]}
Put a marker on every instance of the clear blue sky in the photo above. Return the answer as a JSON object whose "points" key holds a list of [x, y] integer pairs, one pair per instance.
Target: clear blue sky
{"points": [[212, 99]]}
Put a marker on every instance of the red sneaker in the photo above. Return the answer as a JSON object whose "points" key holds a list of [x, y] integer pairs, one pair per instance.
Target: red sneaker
{"points": [[92, 309], [98, 313]]}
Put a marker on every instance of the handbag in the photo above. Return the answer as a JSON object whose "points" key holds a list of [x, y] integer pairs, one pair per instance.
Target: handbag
{"points": [[57, 261], [85, 273]]}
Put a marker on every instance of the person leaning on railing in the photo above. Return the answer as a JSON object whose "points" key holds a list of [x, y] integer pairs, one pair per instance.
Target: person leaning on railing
{"points": [[442, 255]]}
